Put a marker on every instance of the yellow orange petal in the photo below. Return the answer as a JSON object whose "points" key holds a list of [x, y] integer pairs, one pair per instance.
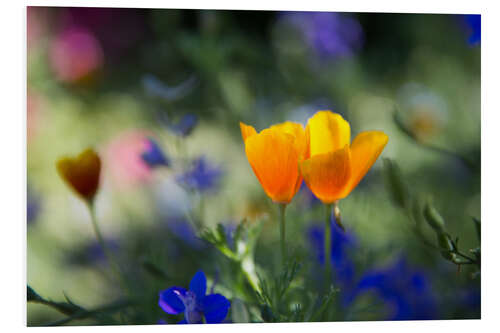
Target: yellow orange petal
{"points": [[246, 131], [328, 132], [274, 160], [81, 173], [365, 149], [327, 175], [298, 132]]}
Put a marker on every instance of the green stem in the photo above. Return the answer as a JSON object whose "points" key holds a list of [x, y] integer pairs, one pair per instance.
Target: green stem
{"points": [[114, 265], [282, 233], [328, 242]]}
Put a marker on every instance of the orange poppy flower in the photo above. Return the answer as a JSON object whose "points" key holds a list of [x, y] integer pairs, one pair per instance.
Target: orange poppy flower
{"points": [[274, 155], [81, 173], [336, 166]]}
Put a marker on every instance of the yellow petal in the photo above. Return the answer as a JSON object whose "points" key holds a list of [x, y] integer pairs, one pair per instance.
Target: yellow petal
{"points": [[246, 131], [81, 173], [328, 132], [274, 160], [327, 175], [298, 132], [365, 150]]}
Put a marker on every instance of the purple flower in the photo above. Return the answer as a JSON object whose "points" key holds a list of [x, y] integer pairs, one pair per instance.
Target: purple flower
{"points": [[153, 155], [195, 305], [201, 177], [330, 35]]}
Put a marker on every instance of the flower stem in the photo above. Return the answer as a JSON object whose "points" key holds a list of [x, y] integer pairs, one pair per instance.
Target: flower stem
{"points": [[328, 242], [282, 233], [114, 265]]}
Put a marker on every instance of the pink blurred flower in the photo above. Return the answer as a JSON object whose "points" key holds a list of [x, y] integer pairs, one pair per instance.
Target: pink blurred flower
{"points": [[36, 25], [35, 105], [75, 54], [123, 158]]}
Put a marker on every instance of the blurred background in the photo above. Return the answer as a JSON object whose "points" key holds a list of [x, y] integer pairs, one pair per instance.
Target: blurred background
{"points": [[159, 94]]}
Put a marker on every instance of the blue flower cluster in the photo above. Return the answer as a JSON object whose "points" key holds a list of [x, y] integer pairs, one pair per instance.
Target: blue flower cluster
{"points": [[404, 290]]}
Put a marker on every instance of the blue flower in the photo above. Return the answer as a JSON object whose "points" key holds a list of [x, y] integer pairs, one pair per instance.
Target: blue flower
{"points": [[330, 35], [473, 26], [32, 206], [182, 127], [185, 125], [342, 243], [153, 155], [403, 289], [194, 303], [201, 176]]}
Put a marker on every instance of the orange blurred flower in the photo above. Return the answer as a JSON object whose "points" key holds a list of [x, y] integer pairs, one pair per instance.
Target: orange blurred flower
{"points": [[81, 173], [336, 166], [274, 155]]}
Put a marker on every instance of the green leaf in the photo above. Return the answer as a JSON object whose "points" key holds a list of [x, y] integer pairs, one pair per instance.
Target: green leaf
{"points": [[433, 218], [33, 296]]}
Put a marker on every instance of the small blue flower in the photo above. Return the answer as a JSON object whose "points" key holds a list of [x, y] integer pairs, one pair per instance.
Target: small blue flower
{"points": [[153, 156], [194, 303], [473, 26], [185, 125], [201, 176], [32, 206]]}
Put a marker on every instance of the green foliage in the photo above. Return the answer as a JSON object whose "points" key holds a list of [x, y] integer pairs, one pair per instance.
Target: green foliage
{"points": [[410, 203], [239, 248], [274, 305]]}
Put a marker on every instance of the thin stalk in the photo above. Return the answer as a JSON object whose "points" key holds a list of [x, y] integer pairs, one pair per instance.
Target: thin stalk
{"points": [[282, 233], [114, 265], [328, 242]]}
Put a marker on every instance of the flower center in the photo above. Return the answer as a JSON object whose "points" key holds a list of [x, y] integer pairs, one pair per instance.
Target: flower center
{"points": [[191, 312]]}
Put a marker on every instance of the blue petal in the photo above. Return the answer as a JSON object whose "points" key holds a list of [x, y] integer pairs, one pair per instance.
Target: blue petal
{"points": [[198, 285], [183, 321], [215, 308], [153, 156], [170, 301]]}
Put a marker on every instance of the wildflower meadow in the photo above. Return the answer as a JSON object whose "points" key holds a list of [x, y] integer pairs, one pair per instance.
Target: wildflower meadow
{"points": [[220, 166]]}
